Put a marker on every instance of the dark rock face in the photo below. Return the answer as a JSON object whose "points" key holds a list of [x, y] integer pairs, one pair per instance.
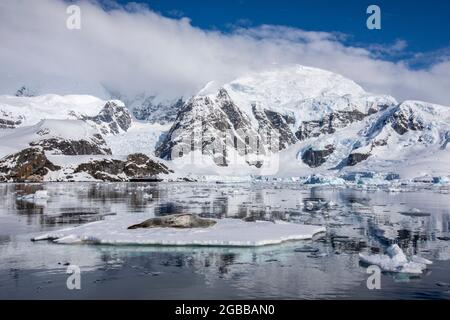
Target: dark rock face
{"points": [[355, 158], [216, 125], [112, 118], [180, 221], [237, 118], [211, 126], [30, 164], [24, 92], [106, 169], [9, 121], [404, 119], [74, 147], [446, 140], [269, 121], [328, 124], [136, 166], [9, 124], [140, 165], [315, 158], [401, 118]]}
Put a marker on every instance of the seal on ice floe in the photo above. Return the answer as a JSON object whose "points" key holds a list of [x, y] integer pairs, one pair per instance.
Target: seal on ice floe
{"points": [[175, 221]]}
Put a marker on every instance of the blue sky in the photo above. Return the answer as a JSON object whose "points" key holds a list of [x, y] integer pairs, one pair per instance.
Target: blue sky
{"points": [[424, 25]]}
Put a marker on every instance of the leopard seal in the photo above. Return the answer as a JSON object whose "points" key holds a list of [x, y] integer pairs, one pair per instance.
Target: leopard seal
{"points": [[181, 221]]}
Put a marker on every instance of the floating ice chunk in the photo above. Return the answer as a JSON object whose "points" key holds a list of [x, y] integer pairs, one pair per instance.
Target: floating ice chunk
{"points": [[396, 254], [396, 261], [38, 196], [41, 194], [331, 204], [226, 232], [309, 205]]}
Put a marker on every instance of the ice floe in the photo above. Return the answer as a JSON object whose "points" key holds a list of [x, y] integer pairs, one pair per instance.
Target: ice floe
{"points": [[38, 196], [226, 232], [396, 261]]}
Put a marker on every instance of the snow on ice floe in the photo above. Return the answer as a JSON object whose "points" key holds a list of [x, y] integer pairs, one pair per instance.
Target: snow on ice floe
{"points": [[226, 232], [396, 261]]}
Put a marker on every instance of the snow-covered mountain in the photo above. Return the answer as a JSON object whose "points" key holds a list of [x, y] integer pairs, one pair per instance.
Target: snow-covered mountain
{"points": [[290, 121], [30, 110], [285, 105], [407, 141], [67, 137]]}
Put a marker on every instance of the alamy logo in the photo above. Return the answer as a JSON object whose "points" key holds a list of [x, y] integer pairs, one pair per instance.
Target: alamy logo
{"points": [[74, 280], [374, 20], [374, 280], [73, 22]]}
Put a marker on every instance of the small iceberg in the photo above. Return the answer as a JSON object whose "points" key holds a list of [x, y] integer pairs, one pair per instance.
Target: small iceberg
{"points": [[225, 232], [38, 196], [396, 261]]}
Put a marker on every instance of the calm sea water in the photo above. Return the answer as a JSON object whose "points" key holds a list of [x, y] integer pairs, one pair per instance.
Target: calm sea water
{"points": [[357, 221]]}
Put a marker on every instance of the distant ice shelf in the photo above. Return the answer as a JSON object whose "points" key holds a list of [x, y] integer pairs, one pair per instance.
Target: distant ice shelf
{"points": [[227, 232]]}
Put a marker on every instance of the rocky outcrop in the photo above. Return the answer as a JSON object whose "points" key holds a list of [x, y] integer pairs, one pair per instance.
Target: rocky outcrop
{"points": [[30, 164], [25, 92], [276, 123], [446, 140], [136, 166], [404, 119], [329, 123], [9, 121], [95, 146], [112, 119], [315, 158], [105, 169], [140, 165], [355, 158], [212, 126], [9, 124], [179, 221]]}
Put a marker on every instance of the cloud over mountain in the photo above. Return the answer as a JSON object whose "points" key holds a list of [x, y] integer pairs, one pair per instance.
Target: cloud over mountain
{"points": [[134, 49]]}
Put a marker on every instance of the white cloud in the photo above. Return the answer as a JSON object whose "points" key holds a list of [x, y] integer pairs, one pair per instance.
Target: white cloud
{"points": [[138, 50]]}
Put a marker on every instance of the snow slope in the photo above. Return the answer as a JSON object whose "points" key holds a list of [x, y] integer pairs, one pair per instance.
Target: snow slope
{"points": [[50, 106], [305, 92], [72, 130], [140, 137]]}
